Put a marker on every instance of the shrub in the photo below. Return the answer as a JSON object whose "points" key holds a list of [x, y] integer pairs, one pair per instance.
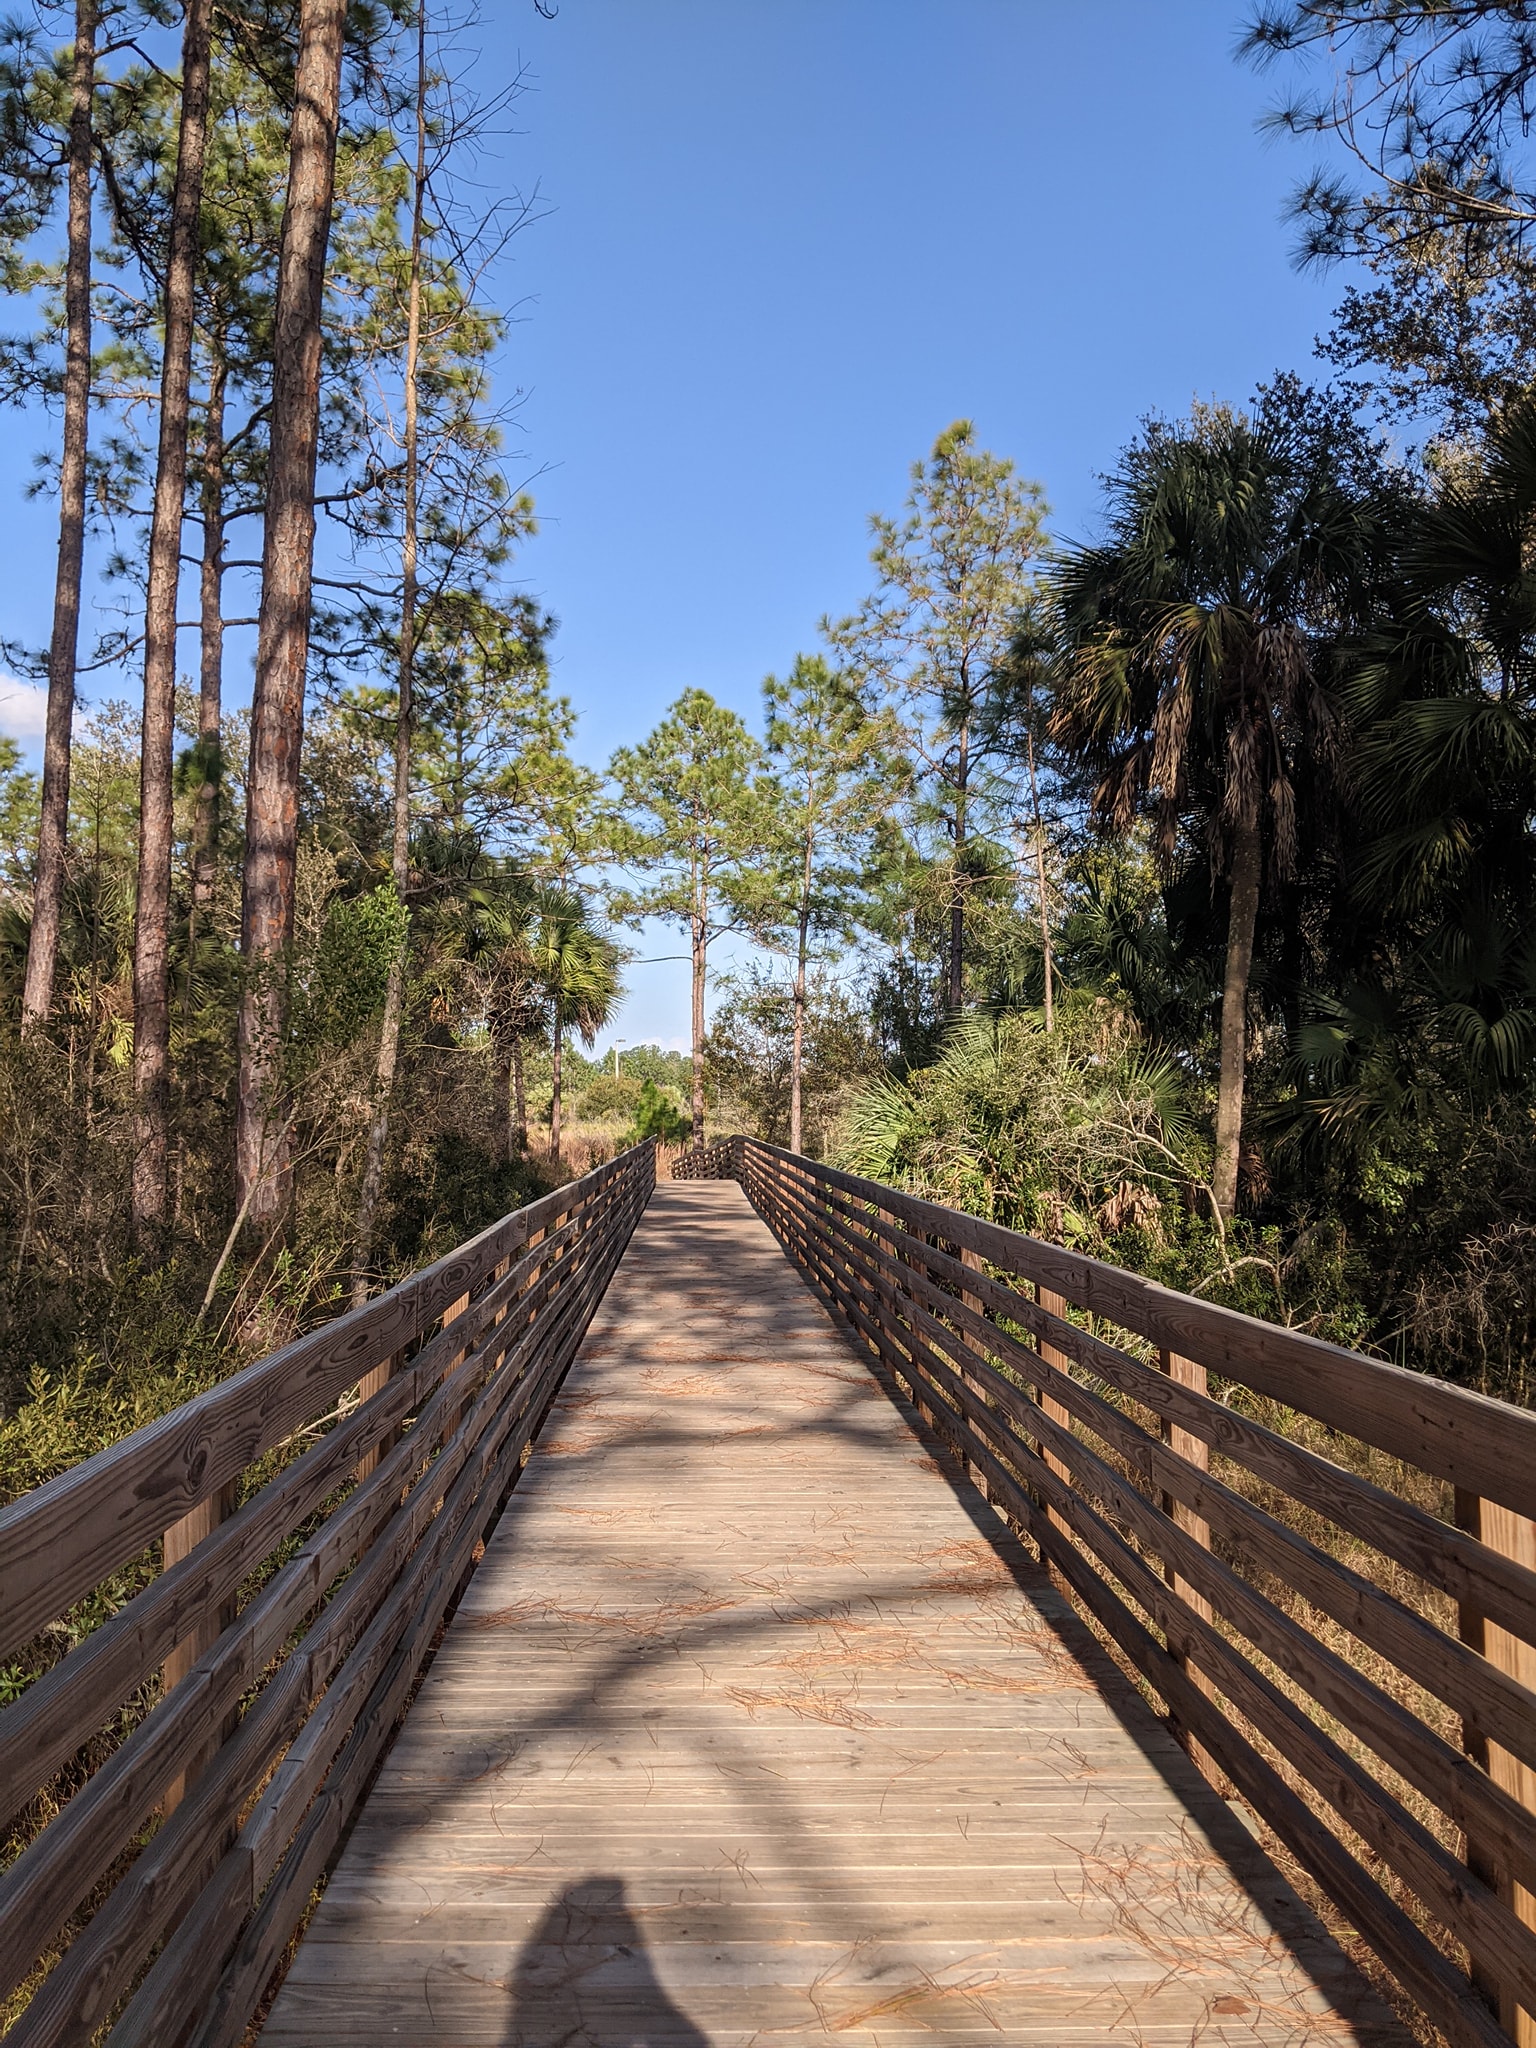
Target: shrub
{"points": [[658, 1116], [615, 1096]]}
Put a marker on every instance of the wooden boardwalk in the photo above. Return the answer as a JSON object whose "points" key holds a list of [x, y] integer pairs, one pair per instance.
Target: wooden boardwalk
{"points": [[754, 1727]]}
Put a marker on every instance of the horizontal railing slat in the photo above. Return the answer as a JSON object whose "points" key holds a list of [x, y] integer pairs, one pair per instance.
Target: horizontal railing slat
{"points": [[1444, 1556], [62, 1539], [182, 1983], [1468, 1439], [1441, 1990], [1174, 1561], [1155, 1546], [1442, 1664], [37, 1893], [512, 1314], [1505, 1708]]}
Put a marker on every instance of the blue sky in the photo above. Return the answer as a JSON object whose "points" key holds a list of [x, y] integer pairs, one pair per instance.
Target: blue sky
{"points": [[782, 244]]}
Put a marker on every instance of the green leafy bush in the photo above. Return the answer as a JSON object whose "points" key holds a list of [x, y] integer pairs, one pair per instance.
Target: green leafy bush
{"points": [[658, 1116], [613, 1096], [344, 989]]}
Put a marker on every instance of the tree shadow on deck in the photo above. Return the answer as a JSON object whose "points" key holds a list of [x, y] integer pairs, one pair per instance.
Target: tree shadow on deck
{"points": [[780, 1623], [584, 1979]]}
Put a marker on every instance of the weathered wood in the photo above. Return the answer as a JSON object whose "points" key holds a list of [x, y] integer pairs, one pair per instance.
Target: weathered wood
{"points": [[1417, 1964], [1394, 1733], [1415, 1960], [974, 1263], [1402, 1842], [179, 1541], [1468, 1439], [708, 1162], [932, 1328], [186, 1986], [1025, 1394], [1188, 1372], [375, 1382], [70, 1702], [1513, 1536], [224, 1903], [60, 1540], [225, 2017], [1398, 1737], [734, 1634], [179, 1860], [500, 1366], [1444, 1557], [182, 1988], [1053, 1305]]}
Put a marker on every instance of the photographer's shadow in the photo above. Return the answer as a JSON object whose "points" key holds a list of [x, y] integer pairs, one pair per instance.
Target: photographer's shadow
{"points": [[584, 1979]]}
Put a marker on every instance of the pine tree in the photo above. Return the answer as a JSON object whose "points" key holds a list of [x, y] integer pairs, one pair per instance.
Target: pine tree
{"points": [[696, 816], [262, 1134], [151, 946]]}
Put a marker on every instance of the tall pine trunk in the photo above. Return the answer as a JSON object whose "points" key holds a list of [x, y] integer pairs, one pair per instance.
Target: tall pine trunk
{"points": [[555, 1079], [210, 701], [53, 822], [263, 1166], [1242, 917], [151, 928], [957, 887], [519, 1098], [797, 1046], [700, 951], [400, 860]]}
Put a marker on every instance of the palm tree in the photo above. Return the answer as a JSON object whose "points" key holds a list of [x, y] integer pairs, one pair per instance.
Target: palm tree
{"points": [[577, 968], [1442, 699], [1192, 640], [516, 1006]]}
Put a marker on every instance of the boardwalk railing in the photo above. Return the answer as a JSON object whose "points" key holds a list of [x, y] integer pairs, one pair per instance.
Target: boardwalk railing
{"points": [[1347, 1640], [719, 1161], [301, 1591]]}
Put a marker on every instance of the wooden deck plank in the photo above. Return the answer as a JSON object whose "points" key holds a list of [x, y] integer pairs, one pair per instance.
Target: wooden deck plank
{"points": [[754, 1726]]}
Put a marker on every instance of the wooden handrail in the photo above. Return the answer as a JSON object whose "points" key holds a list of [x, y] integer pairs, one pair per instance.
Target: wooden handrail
{"points": [[286, 1637], [708, 1162], [1256, 1584]]}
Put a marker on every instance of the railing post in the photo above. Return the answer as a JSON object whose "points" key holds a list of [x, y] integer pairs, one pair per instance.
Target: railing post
{"points": [[1054, 1305], [1195, 1451], [1514, 1536], [556, 1224], [451, 1314], [910, 1373], [974, 1302], [179, 1541], [372, 1383]]}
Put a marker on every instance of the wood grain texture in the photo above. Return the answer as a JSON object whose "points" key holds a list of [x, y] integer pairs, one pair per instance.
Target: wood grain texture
{"points": [[1065, 1495], [1434, 1659], [179, 1542], [1515, 1535], [60, 1540], [1048, 1506], [189, 1981], [1448, 1558], [755, 1724], [402, 1541], [1471, 1440]]}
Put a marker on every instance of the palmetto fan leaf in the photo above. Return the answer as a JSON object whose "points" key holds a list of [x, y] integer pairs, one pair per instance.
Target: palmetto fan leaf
{"points": [[1443, 698], [1193, 640]]}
